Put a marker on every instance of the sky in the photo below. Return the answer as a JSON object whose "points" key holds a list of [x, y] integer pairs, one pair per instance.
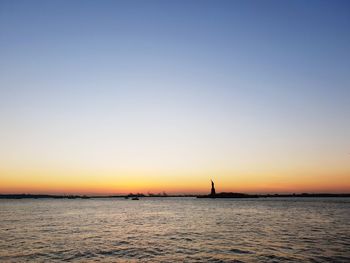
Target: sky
{"points": [[151, 96]]}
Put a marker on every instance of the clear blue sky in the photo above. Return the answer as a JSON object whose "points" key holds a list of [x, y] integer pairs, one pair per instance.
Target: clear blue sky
{"points": [[176, 87]]}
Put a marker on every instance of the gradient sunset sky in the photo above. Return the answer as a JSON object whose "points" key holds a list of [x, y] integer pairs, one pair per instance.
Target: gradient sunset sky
{"points": [[149, 96]]}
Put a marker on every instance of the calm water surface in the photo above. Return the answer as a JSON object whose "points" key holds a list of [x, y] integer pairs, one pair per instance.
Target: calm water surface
{"points": [[176, 230]]}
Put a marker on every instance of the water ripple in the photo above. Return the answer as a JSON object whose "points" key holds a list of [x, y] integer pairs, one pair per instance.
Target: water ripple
{"points": [[175, 230]]}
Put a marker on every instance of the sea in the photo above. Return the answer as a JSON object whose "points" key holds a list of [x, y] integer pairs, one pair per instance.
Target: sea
{"points": [[175, 230]]}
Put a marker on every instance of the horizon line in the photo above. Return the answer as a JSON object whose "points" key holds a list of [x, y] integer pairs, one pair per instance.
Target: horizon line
{"points": [[164, 194]]}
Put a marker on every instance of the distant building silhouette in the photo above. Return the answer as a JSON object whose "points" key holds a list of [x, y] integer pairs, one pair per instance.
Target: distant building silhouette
{"points": [[212, 192]]}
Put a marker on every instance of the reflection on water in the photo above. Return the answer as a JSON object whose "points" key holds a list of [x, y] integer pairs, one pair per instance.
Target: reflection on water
{"points": [[176, 229]]}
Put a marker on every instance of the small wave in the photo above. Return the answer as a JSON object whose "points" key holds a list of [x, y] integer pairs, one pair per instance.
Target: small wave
{"points": [[239, 251]]}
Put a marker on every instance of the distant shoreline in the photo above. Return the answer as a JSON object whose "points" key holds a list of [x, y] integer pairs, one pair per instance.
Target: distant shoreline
{"points": [[226, 195]]}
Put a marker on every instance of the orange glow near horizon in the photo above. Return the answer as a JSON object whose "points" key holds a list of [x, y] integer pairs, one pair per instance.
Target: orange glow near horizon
{"points": [[45, 182]]}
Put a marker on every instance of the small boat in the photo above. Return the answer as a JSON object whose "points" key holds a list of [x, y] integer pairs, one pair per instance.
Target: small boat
{"points": [[135, 198]]}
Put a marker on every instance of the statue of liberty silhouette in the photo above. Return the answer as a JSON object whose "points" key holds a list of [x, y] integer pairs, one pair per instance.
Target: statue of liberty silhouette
{"points": [[212, 192]]}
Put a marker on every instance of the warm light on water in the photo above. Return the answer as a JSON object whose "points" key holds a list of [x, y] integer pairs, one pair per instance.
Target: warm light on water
{"points": [[176, 230]]}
